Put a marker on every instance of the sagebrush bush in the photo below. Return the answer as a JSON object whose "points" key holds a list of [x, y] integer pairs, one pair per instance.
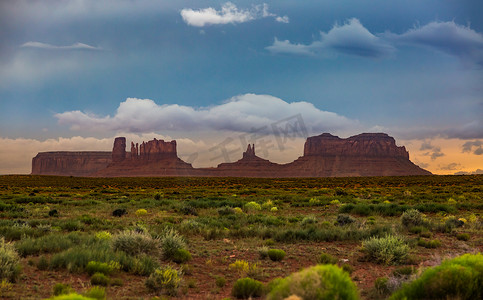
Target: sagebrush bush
{"points": [[463, 236], [318, 282], [387, 250], [76, 259], [181, 256], [263, 252], [164, 280], [99, 279], [61, 289], [220, 281], [459, 278], [9, 261], [250, 206], [96, 292], [327, 259], [308, 220], [429, 244], [102, 267], [51, 243], [135, 243], [247, 287], [225, 211], [343, 219], [170, 242], [276, 254], [411, 218]]}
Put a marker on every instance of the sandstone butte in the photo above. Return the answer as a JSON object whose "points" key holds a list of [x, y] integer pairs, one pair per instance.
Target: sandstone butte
{"points": [[325, 155]]}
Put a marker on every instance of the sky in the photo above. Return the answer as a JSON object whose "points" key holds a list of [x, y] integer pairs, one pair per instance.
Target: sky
{"points": [[217, 75]]}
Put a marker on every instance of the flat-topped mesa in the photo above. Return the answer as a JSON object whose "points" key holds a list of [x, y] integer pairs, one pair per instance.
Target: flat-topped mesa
{"points": [[365, 144], [70, 163]]}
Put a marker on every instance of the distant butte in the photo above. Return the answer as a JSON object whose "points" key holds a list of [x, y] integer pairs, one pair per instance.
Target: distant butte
{"points": [[326, 155]]}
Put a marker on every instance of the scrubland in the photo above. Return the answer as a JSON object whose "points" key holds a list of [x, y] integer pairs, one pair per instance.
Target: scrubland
{"points": [[214, 238]]}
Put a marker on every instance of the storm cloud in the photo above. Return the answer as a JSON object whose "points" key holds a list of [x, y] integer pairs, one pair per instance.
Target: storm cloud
{"points": [[351, 38]]}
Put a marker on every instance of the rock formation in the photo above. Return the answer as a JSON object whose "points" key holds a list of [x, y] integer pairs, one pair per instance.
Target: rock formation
{"points": [[119, 150], [153, 158], [249, 166], [70, 163], [367, 154]]}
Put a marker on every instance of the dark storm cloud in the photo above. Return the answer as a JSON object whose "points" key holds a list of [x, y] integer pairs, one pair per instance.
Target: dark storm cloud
{"points": [[351, 38], [447, 37], [477, 145], [450, 167]]}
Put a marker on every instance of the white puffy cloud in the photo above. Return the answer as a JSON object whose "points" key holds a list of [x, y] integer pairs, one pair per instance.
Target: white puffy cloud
{"points": [[351, 38], [76, 46], [287, 47], [229, 14], [447, 37], [243, 113]]}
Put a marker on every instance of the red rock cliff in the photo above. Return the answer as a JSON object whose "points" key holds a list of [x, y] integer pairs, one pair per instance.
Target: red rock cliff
{"points": [[65, 163], [365, 144]]}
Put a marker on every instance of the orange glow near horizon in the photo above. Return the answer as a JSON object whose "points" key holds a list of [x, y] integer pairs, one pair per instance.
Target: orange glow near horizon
{"points": [[449, 160]]}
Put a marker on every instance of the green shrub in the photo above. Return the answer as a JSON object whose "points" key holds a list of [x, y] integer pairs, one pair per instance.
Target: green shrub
{"points": [[96, 292], [220, 281], [347, 268], [9, 261], [250, 206], [309, 220], [50, 243], [458, 278], [134, 243], [344, 220], [164, 280], [327, 259], [318, 282], [411, 218], [72, 296], [141, 212], [403, 271], [42, 263], [103, 235], [276, 254], [381, 286], [61, 289], [181, 256], [171, 241], [99, 279], [102, 267], [225, 211], [263, 252], [429, 244], [247, 287], [386, 250], [244, 268], [454, 222], [116, 282], [77, 258], [463, 236]]}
